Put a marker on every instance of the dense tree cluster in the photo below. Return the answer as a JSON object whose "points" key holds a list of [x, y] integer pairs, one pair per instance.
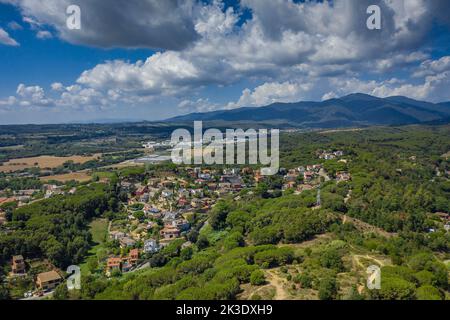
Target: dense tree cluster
{"points": [[205, 275], [393, 197], [56, 228], [16, 184]]}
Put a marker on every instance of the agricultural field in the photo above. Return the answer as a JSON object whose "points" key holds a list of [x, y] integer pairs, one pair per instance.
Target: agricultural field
{"points": [[43, 162], [80, 176], [16, 147], [125, 164]]}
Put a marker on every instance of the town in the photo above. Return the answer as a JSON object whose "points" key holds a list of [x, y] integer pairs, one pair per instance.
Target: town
{"points": [[163, 209], [147, 218]]}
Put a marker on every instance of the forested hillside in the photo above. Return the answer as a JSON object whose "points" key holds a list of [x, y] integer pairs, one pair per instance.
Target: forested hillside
{"points": [[281, 245], [56, 228]]}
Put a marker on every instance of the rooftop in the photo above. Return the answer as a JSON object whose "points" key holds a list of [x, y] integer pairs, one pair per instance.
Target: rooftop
{"points": [[48, 276], [18, 257]]}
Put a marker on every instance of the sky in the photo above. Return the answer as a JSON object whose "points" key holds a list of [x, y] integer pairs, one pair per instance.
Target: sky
{"points": [[154, 59]]}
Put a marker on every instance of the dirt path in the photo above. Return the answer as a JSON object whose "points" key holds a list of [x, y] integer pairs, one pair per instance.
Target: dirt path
{"points": [[348, 197], [346, 219], [356, 259], [277, 282]]}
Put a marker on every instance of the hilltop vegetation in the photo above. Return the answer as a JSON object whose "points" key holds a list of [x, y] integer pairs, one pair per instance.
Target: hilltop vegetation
{"points": [[268, 248], [352, 110], [56, 228], [269, 243]]}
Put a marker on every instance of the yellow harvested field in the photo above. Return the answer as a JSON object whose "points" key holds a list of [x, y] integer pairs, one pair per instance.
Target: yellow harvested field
{"points": [[43, 162], [341, 130], [16, 147], [125, 164], [81, 176]]}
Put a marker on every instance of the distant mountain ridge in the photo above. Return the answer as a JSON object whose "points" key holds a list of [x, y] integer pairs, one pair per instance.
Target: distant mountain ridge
{"points": [[351, 110]]}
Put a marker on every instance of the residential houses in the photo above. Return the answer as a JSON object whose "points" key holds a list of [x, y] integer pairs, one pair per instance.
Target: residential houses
{"points": [[329, 155], [48, 280], [308, 175], [126, 186], [235, 181], [151, 246], [169, 232], [52, 190], [133, 256], [140, 191], [116, 235], [169, 198], [123, 264], [169, 216], [343, 176], [181, 224], [7, 200], [304, 187], [127, 242], [112, 264], [18, 265]]}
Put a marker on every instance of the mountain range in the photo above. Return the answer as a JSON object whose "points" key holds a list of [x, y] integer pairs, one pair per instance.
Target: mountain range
{"points": [[351, 110]]}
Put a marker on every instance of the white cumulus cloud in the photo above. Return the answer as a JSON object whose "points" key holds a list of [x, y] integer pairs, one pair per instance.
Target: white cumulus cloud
{"points": [[6, 39]]}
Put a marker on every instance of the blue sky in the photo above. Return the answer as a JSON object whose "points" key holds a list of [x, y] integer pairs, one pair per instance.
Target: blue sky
{"points": [[152, 59]]}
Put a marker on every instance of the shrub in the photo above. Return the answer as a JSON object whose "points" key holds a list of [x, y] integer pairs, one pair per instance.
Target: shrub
{"points": [[157, 260], [425, 278], [255, 297], [267, 235], [242, 272], [257, 278], [202, 242], [275, 257], [395, 288], [186, 253], [197, 265], [428, 293], [233, 240], [331, 259], [328, 288], [304, 279]]}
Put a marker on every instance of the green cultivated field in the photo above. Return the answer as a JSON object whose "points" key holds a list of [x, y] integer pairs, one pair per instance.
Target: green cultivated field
{"points": [[99, 230]]}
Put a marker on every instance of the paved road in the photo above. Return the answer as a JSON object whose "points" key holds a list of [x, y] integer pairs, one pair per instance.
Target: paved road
{"points": [[46, 295], [142, 266]]}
